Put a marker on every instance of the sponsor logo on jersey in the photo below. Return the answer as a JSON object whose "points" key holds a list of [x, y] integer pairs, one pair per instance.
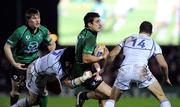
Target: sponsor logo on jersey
{"points": [[32, 47], [27, 37]]}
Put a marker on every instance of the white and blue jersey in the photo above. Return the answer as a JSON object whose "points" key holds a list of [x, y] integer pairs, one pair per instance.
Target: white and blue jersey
{"points": [[137, 49], [44, 69], [49, 64]]}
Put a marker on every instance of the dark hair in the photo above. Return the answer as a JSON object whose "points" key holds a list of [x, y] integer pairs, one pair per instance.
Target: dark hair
{"points": [[145, 27], [68, 55], [30, 12], [89, 18]]}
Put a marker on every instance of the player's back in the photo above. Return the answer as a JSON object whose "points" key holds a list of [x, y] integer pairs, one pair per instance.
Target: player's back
{"points": [[137, 49], [49, 64]]}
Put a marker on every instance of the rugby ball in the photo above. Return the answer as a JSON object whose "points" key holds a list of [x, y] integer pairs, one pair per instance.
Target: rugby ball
{"points": [[99, 50]]}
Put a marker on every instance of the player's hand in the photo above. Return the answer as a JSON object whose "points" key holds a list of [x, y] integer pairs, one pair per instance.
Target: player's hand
{"points": [[20, 66], [98, 77], [86, 75], [169, 82]]}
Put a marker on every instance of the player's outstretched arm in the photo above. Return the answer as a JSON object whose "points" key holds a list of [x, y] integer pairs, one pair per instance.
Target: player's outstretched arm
{"points": [[164, 67], [9, 55], [108, 62], [79, 80]]}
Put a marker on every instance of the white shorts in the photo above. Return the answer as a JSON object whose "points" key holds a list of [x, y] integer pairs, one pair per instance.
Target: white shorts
{"points": [[36, 83], [141, 75]]}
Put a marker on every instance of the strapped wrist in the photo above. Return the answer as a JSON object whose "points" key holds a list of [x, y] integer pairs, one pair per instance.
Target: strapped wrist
{"points": [[98, 69]]}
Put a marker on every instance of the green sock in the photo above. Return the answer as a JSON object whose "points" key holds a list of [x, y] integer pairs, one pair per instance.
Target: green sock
{"points": [[43, 101]]}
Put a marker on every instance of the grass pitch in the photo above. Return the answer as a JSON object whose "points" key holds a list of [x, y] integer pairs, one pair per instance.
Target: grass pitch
{"points": [[61, 101]]}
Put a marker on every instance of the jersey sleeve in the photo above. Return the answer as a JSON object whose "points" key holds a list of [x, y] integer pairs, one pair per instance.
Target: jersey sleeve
{"points": [[157, 49], [14, 38], [47, 37], [89, 46], [122, 43]]}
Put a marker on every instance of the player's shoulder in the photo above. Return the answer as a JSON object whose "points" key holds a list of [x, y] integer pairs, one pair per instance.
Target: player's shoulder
{"points": [[43, 28], [85, 33], [21, 28]]}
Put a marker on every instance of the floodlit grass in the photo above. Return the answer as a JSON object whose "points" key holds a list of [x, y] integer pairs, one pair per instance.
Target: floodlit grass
{"points": [[60, 101]]}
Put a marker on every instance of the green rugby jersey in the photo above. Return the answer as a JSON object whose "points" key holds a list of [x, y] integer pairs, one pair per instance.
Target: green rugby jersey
{"points": [[86, 43], [25, 44]]}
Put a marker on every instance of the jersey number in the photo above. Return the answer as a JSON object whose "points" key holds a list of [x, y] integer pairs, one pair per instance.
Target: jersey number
{"points": [[141, 43]]}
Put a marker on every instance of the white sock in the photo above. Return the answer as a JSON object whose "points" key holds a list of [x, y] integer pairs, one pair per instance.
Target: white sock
{"points": [[109, 103], [165, 103]]}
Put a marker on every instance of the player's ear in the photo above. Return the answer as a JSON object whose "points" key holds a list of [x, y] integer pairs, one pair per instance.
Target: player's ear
{"points": [[89, 24]]}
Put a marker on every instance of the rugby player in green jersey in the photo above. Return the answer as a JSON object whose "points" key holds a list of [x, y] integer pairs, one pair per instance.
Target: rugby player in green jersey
{"points": [[21, 49], [86, 43]]}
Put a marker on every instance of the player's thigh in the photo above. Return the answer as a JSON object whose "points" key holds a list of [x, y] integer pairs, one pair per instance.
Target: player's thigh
{"points": [[156, 90], [104, 89]]}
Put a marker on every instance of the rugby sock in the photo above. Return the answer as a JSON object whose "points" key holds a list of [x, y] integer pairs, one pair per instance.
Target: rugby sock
{"points": [[13, 99], [84, 95], [109, 103], [43, 101], [165, 103]]}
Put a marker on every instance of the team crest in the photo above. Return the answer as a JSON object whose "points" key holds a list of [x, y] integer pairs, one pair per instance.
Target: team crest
{"points": [[27, 37]]}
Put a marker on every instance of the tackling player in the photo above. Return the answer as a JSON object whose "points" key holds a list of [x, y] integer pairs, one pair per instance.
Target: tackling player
{"points": [[57, 64]]}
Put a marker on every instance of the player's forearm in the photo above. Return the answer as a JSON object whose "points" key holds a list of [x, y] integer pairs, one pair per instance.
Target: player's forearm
{"points": [[68, 83], [79, 80], [8, 53], [73, 83], [165, 70], [91, 59], [97, 67], [108, 63]]}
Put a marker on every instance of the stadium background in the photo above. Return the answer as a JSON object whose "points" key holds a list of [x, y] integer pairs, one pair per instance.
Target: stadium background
{"points": [[12, 16]]}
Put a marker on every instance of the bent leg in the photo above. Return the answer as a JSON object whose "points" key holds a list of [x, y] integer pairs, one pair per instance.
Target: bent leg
{"points": [[104, 89], [115, 95], [157, 91], [14, 94]]}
